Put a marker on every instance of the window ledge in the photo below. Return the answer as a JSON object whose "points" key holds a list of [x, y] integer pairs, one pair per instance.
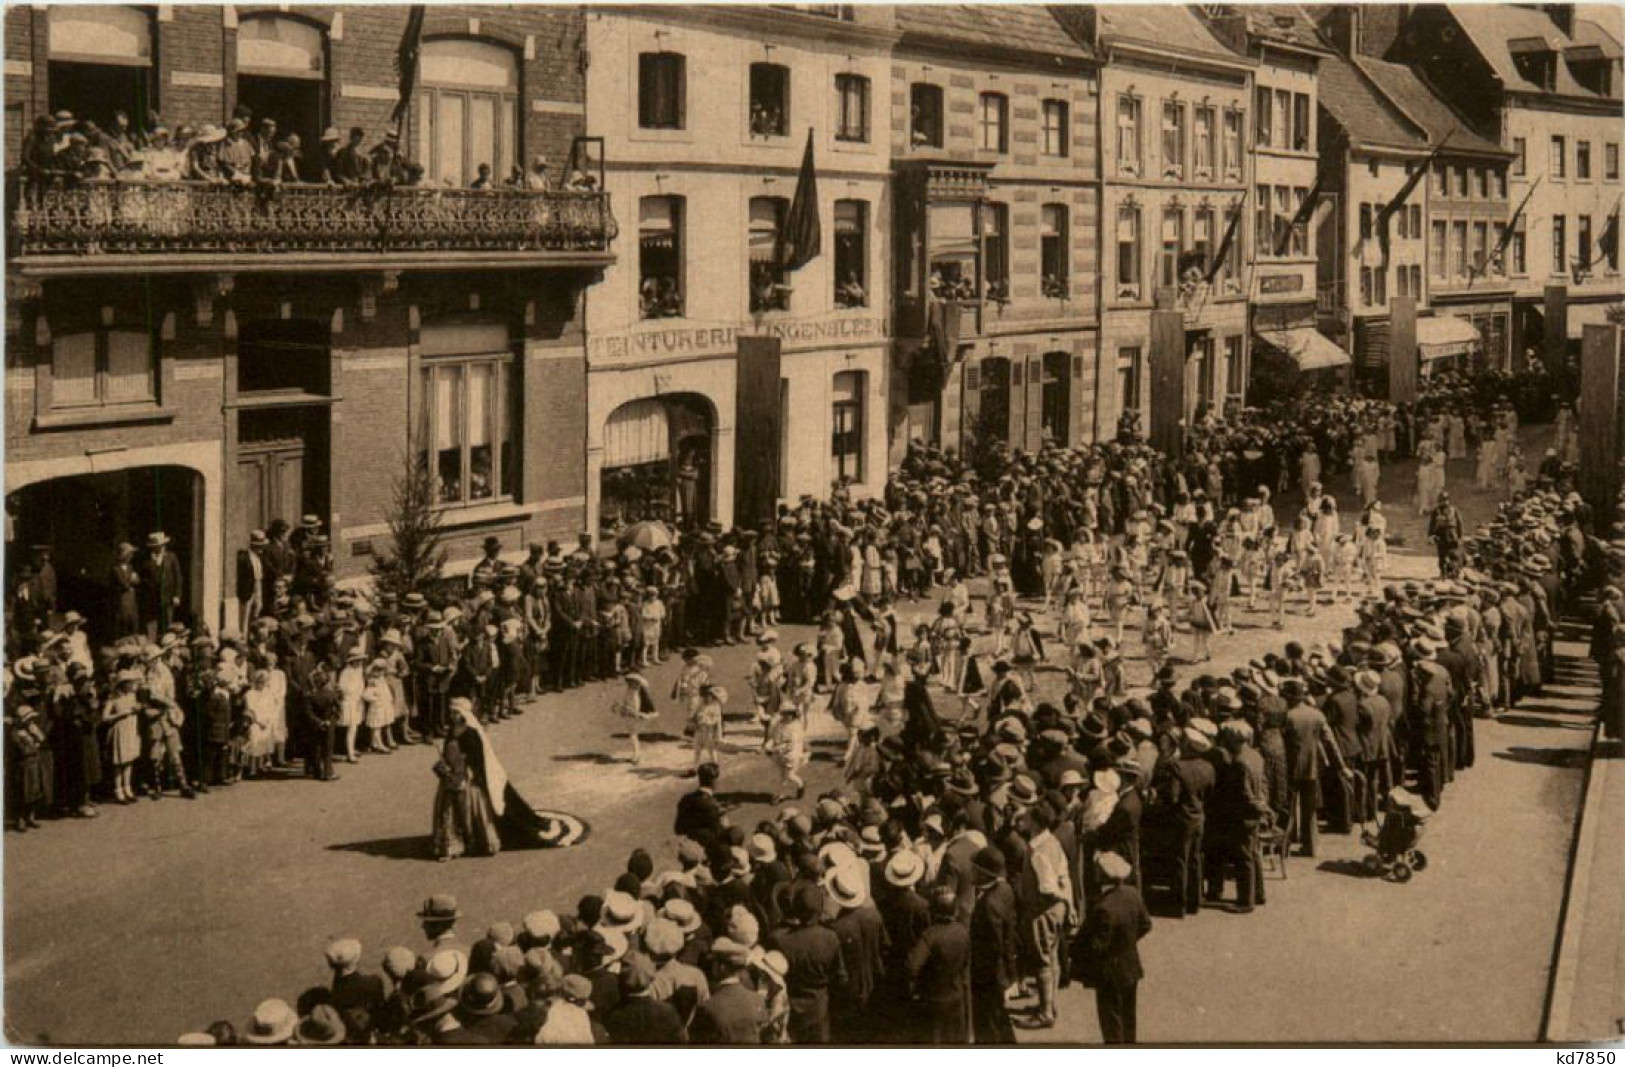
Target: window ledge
{"points": [[455, 516], [111, 415]]}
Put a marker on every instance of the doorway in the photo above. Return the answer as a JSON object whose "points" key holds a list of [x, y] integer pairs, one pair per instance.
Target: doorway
{"points": [[296, 105], [281, 469], [1056, 415], [95, 90]]}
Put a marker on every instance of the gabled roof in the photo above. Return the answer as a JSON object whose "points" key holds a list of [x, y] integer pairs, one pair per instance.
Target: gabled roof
{"points": [[1021, 27], [1369, 117], [1406, 90], [1492, 27], [1168, 27]]}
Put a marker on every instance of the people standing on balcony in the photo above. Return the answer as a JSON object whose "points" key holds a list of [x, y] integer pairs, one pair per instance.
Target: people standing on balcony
{"points": [[351, 165], [122, 140], [203, 155], [482, 177], [235, 158], [537, 180]]}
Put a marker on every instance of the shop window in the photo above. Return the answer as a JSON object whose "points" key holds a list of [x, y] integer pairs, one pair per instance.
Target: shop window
{"points": [[662, 90], [469, 417], [468, 111], [1173, 139], [1128, 253], [925, 115], [994, 124], [1057, 126], [996, 251], [1053, 237], [769, 100], [768, 289], [852, 102], [661, 281], [851, 253], [846, 429], [1129, 113], [103, 368]]}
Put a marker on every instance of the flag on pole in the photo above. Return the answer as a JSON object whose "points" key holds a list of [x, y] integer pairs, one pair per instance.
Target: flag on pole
{"points": [[406, 60], [1506, 234], [1229, 238], [1608, 240], [1306, 210], [801, 238]]}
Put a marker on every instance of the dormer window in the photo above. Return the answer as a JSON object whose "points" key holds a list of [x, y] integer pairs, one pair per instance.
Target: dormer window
{"points": [[1595, 74], [1535, 61]]}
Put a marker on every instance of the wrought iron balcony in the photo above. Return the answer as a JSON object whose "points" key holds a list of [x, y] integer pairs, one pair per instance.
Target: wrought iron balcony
{"points": [[196, 219]]}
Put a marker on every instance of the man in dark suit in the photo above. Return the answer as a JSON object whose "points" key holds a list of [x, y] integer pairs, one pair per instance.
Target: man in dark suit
{"points": [[1433, 694], [251, 576], [640, 1019], [862, 935], [1192, 781], [1460, 657], [1110, 940], [1342, 710], [161, 585], [734, 1014], [995, 965], [1309, 744], [356, 995], [699, 816], [939, 973], [483, 1012], [816, 966]]}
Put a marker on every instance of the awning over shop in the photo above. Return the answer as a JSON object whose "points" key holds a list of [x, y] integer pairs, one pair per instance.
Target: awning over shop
{"points": [[1443, 336], [1582, 315], [1308, 347], [637, 432]]}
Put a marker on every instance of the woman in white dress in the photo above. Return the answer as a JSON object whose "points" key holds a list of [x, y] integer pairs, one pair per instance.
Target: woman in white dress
{"points": [[352, 683], [257, 707], [1328, 524], [277, 682], [1458, 436]]}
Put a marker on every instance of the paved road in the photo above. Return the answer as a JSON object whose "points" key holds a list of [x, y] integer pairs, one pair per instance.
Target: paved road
{"points": [[158, 919]]}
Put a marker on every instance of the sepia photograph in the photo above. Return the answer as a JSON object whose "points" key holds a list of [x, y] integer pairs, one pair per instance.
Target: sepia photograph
{"points": [[863, 524]]}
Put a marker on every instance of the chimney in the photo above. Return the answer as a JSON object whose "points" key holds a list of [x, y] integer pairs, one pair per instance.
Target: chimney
{"points": [[1562, 15]]}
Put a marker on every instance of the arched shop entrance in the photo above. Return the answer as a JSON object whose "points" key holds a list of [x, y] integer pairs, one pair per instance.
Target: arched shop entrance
{"points": [[658, 460], [82, 518]]}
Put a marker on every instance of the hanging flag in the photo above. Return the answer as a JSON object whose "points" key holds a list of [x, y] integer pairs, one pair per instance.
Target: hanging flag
{"points": [[801, 237], [1306, 210], [1608, 240], [1229, 238], [1404, 194], [1506, 234], [406, 60]]}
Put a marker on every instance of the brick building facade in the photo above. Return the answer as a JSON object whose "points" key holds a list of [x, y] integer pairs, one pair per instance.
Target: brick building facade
{"points": [[204, 359]]}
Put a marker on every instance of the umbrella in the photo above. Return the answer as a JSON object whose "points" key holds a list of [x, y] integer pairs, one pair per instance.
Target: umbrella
{"points": [[648, 536]]}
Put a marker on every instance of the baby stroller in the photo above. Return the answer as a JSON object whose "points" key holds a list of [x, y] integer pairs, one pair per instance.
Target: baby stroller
{"points": [[1396, 856]]}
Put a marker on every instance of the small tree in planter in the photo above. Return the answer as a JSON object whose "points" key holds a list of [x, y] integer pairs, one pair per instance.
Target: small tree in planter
{"points": [[416, 556]]}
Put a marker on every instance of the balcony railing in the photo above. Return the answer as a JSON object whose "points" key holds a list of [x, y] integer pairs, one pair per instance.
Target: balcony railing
{"points": [[101, 217]]}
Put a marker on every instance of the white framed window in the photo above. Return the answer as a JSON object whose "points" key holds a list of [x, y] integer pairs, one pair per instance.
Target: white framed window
{"points": [[1203, 143], [1173, 244], [925, 115], [103, 368], [1610, 161], [1303, 131], [1438, 250], [1281, 120], [1520, 150], [996, 251], [1560, 156], [1054, 235], [661, 284], [1056, 116], [994, 122], [1130, 365], [1232, 143], [662, 90], [1128, 253], [1560, 245], [1173, 139], [769, 100], [852, 105], [1582, 161], [1458, 248], [468, 110], [851, 253], [1129, 154], [469, 418], [768, 288]]}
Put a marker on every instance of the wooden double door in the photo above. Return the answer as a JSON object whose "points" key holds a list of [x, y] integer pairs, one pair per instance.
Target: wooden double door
{"points": [[281, 469]]}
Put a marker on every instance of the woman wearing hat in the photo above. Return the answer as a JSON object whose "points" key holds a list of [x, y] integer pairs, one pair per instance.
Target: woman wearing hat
{"points": [[352, 683], [636, 706], [379, 703]]}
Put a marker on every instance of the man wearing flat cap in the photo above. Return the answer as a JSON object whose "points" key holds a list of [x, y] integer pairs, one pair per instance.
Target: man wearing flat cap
{"points": [[816, 965], [1109, 956], [734, 1014]]}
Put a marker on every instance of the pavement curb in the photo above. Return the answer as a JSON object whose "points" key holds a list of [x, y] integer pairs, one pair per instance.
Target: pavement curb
{"points": [[1558, 1025]]}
